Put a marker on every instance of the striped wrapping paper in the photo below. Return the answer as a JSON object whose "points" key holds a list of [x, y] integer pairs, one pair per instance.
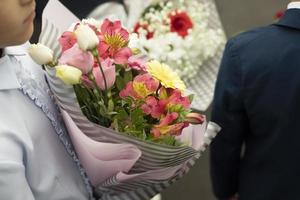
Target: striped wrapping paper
{"points": [[156, 158], [159, 165]]}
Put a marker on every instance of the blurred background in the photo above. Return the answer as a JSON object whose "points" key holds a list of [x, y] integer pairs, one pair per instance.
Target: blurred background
{"points": [[236, 16]]}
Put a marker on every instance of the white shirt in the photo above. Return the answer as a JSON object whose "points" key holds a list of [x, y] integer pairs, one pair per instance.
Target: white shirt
{"points": [[294, 5], [34, 162]]}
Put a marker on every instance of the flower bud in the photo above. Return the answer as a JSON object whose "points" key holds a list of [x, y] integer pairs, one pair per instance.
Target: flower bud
{"points": [[69, 75], [41, 54], [195, 118], [86, 37]]}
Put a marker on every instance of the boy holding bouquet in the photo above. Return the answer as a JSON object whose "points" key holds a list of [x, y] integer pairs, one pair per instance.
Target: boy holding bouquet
{"points": [[36, 156]]}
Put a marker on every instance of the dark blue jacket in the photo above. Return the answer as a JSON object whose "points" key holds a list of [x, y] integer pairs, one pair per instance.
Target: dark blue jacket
{"points": [[257, 104]]}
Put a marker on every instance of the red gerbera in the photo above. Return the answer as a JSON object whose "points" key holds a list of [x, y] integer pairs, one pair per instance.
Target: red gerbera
{"points": [[181, 23]]}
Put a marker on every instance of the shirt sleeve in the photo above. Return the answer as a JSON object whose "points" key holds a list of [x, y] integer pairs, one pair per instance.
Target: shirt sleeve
{"points": [[13, 183], [228, 112]]}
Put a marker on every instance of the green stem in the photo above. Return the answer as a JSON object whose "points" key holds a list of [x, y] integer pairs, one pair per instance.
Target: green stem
{"points": [[95, 53], [92, 78]]}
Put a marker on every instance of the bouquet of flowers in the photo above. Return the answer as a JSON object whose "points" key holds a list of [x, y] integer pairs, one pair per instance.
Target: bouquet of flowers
{"points": [[127, 115], [180, 33]]}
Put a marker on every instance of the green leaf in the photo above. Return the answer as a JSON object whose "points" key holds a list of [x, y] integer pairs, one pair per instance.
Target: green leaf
{"points": [[191, 97], [120, 83], [128, 76], [111, 105]]}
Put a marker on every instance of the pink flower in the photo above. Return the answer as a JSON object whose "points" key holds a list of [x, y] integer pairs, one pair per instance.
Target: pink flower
{"points": [[138, 63], [86, 81], [141, 87], [114, 28], [67, 40], [166, 127], [128, 91], [170, 118], [195, 118], [109, 73], [176, 98], [121, 57], [153, 107], [113, 42], [77, 58]]}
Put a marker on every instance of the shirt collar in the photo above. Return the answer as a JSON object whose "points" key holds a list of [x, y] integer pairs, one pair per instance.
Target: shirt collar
{"points": [[290, 19], [294, 5], [8, 63]]}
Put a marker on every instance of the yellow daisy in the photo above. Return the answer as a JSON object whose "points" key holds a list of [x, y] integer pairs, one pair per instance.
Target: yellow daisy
{"points": [[167, 77]]}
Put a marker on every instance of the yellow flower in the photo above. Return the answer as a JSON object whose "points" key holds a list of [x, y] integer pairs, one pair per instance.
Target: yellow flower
{"points": [[69, 75], [167, 77]]}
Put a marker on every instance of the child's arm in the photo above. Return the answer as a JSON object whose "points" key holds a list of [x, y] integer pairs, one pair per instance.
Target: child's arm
{"points": [[13, 183]]}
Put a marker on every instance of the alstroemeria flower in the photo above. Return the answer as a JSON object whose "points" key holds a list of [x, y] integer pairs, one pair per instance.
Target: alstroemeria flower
{"points": [[138, 63], [67, 40], [166, 126], [176, 98], [113, 42], [78, 58], [109, 73], [141, 87], [153, 107], [128, 91], [195, 118], [144, 85]]}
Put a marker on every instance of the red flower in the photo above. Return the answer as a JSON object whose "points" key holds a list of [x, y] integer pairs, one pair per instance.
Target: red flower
{"points": [[181, 23], [279, 14], [139, 26]]}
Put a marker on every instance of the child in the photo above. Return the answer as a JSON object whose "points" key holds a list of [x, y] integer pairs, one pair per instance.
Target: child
{"points": [[37, 160]]}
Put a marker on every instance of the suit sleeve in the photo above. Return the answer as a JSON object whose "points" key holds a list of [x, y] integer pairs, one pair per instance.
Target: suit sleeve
{"points": [[13, 183], [228, 111]]}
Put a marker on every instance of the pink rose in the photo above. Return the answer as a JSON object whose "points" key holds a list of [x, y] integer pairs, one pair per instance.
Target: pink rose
{"points": [[109, 73], [77, 58]]}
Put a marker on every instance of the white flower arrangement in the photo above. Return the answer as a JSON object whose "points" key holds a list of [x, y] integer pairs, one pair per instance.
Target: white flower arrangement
{"points": [[178, 33]]}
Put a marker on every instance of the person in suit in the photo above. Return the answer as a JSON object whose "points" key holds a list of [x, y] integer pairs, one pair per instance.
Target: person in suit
{"points": [[256, 156], [37, 160]]}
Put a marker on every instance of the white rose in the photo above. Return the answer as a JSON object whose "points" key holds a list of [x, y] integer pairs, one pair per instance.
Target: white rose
{"points": [[41, 54], [69, 75], [86, 37]]}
